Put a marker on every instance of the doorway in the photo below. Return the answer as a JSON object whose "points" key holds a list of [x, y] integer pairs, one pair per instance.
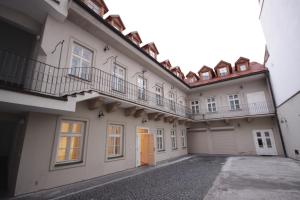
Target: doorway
{"points": [[264, 142], [145, 154]]}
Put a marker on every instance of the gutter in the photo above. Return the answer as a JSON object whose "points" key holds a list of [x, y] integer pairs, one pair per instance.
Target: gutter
{"points": [[276, 114]]}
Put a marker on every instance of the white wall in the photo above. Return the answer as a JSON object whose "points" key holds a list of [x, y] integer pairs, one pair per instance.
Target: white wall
{"points": [[281, 24]]}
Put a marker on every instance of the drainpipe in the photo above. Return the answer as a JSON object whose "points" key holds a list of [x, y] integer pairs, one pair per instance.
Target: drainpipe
{"points": [[276, 114]]}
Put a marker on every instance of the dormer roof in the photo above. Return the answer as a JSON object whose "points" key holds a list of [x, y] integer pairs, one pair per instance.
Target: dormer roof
{"points": [[240, 61], [206, 69], [222, 64], [100, 3], [115, 20], [134, 35], [152, 46], [191, 75], [166, 64], [176, 70]]}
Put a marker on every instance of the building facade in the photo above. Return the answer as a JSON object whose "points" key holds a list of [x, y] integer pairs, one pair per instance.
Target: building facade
{"points": [[280, 22], [79, 99]]}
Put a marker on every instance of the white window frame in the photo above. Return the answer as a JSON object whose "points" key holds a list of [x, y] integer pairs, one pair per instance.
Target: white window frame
{"points": [[234, 102], [118, 80], [223, 71], [205, 75], [160, 139], [80, 71], [211, 104], [173, 139], [243, 67], [93, 6], [183, 138], [109, 135], [195, 106], [159, 95], [55, 164], [141, 88], [152, 53]]}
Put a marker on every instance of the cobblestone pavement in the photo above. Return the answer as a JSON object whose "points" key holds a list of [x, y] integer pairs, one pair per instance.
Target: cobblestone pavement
{"points": [[190, 179]]}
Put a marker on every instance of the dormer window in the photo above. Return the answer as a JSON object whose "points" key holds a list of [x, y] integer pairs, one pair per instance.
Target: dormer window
{"points": [[205, 75], [152, 53], [223, 71], [135, 42], [243, 67], [92, 5]]}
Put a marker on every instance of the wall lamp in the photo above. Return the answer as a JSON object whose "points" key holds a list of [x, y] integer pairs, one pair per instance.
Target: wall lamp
{"points": [[106, 48], [101, 114], [144, 120]]}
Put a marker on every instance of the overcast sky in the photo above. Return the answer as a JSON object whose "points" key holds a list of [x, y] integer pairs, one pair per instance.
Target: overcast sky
{"points": [[193, 33]]}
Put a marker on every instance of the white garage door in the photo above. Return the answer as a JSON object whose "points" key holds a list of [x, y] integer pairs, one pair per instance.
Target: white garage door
{"points": [[223, 142]]}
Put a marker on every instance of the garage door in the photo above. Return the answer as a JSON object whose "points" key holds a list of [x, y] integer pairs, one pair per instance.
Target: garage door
{"points": [[223, 142]]}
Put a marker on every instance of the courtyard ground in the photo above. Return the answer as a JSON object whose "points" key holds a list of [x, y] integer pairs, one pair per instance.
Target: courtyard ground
{"points": [[198, 177]]}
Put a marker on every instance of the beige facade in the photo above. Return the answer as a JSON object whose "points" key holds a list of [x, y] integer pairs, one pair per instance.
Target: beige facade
{"points": [[70, 123], [36, 171], [232, 138]]}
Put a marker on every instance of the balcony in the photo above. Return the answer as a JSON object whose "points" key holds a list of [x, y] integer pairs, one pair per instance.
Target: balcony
{"points": [[244, 110], [31, 76]]}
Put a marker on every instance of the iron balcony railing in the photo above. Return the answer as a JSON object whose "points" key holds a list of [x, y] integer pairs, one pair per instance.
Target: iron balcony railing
{"points": [[21, 73], [229, 111]]}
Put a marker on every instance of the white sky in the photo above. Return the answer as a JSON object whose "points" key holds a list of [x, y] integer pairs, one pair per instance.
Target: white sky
{"points": [[193, 33]]}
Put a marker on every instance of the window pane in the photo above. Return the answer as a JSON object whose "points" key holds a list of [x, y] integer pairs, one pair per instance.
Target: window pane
{"points": [[74, 154], [75, 61], [75, 142], [87, 54], [267, 134], [269, 144], [260, 143], [62, 143], [64, 127], [76, 128], [61, 155], [258, 134], [77, 50]]}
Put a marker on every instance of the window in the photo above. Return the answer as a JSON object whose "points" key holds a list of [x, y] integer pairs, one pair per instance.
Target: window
{"points": [[160, 140], [114, 143], [193, 79], [195, 107], [243, 67], [183, 138], [205, 76], [173, 139], [159, 95], [118, 79], [234, 102], [152, 53], [141, 86], [211, 104], [70, 142], [91, 4], [81, 61], [223, 71], [172, 100]]}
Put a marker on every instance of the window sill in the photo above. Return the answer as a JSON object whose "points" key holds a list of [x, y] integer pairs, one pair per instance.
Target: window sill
{"points": [[67, 165], [184, 147], [161, 151], [117, 158], [175, 149]]}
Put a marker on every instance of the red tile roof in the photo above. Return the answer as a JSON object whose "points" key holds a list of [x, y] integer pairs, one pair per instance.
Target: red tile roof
{"points": [[136, 36], [254, 68]]}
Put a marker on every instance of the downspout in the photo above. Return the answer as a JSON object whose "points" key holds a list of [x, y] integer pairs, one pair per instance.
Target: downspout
{"points": [[276, 114]]}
